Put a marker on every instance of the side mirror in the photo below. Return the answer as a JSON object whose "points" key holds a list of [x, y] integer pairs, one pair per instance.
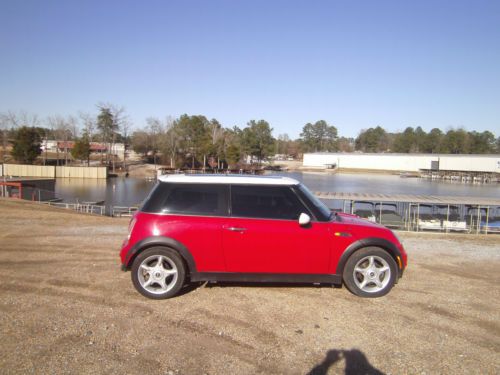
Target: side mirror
{"points": [[304, 219]]}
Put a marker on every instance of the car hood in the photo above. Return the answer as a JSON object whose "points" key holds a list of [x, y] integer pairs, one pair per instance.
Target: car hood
{"points": [[356, 220]]}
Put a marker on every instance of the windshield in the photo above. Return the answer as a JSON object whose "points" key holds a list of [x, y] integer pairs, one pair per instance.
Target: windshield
{"points": [[314, 200]]}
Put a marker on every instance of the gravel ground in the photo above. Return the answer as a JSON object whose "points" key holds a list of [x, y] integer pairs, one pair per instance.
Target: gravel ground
{"points": [[66, 308]]}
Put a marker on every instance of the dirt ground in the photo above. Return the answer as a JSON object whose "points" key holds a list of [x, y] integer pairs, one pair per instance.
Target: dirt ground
{"points": [[66, 308]]}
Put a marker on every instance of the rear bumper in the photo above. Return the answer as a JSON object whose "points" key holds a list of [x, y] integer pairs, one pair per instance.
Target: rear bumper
{"points": [[124, 259]]}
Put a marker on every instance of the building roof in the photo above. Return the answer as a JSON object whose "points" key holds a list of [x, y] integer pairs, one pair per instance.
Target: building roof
{"points": [[228, 179], [389, 154], [94, 146]]}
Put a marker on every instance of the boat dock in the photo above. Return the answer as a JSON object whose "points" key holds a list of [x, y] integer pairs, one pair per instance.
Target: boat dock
{"points": [[30, 188], [409, 198], [462, 214]]}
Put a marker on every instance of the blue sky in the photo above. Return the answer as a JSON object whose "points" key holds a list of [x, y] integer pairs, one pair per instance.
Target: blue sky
{"points": [[355, 64]]}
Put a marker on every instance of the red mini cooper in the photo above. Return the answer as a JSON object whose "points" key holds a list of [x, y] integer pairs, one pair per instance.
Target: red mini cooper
{"points": [[253, 229]]}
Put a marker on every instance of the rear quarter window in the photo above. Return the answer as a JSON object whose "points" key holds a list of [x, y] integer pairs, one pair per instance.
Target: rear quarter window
{"points": [[188, 199]]}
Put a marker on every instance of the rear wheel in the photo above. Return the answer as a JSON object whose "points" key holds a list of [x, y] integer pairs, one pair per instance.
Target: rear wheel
{"points": [[370, 272], [158, 273]]}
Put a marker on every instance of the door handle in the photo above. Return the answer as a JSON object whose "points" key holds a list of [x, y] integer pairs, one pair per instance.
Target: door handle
{"points": [[236, 229]]}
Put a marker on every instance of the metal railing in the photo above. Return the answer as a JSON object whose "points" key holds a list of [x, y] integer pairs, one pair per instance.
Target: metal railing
{"points": [[16, 190], [122, 211], [79, 207]]}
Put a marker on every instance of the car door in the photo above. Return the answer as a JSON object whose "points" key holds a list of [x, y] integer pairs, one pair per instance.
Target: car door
{"points": [[194, 215], [263, 235]]}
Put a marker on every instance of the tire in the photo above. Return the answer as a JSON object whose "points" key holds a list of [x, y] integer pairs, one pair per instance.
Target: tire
{"points": [[157, 280], [370, 272]]}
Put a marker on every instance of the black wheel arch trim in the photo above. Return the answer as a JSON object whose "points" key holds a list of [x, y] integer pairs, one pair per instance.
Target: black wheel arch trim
{"points": [[369, 242], [160, 241]]}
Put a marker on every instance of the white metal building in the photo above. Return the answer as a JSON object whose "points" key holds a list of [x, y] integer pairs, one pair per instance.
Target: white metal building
{"points": [[403, 162]]}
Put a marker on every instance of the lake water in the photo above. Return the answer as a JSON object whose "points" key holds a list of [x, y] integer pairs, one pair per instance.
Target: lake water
{"points": [[131, 191]]}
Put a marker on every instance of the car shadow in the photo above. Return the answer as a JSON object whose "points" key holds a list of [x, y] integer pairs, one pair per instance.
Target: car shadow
{"points": [[355, 363], [250, 284], [188, 288], [192, 286]]}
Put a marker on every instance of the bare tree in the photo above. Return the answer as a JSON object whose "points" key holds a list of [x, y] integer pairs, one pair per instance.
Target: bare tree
{"points": [[110, 120], [88, 124], [171, 139], [23, 118], [154, 129], [63, 129], [125, 126], [73, 126], [217, 131], [4, 124], [159, 136], [281, 144], [218, 140]]}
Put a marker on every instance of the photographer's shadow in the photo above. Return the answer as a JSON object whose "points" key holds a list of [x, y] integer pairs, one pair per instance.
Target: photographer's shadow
{"points": [[355, 363]]}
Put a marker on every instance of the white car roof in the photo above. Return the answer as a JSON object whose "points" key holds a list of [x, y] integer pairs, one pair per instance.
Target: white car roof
{"points": [[227, 179]]}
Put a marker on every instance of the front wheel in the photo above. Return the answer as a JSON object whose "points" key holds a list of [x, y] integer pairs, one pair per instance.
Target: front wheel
{"points": [[158, 273], [370, 272]]}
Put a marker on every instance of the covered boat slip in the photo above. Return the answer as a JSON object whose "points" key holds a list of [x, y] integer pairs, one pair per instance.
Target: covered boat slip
{"points": [[461, 214]]}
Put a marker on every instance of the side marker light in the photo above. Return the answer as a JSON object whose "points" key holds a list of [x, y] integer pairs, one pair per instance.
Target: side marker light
{"points": [[342, 234]]}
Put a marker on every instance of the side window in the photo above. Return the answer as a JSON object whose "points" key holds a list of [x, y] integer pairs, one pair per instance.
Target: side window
{"points": [[191, 199], [197, 199], [267, 202]]}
